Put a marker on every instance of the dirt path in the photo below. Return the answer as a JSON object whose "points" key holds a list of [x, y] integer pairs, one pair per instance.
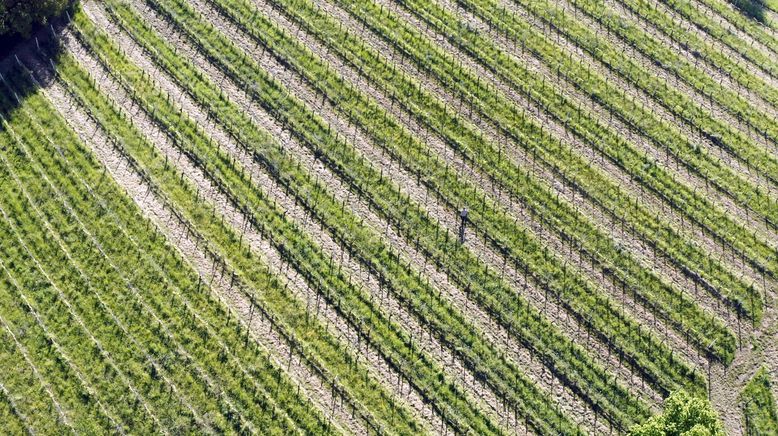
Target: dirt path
{"points": [[728, 383]]}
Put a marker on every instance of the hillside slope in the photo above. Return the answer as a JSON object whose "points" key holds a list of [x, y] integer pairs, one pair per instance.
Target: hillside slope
{"points": [[387, 216]]}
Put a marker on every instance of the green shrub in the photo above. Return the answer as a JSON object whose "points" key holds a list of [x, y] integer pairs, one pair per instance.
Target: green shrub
{"points": [[19, 16], [684, 415], [759, 410]]}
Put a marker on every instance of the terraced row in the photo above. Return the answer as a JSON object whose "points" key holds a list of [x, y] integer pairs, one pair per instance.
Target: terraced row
{"points": [[714, 30], [721, 134], [265, 130], [353, 231], [292, 317], [718, 9], [758, 405], [193, 26], [721, 227], [254, 201]]}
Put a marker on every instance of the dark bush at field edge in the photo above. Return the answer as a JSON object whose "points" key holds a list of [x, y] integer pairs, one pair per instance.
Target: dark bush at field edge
{"points": [[18, 17]]}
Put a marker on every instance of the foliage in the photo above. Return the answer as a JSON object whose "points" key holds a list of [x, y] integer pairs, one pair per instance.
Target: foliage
{"points": [[684, 415], [750, 8], [506, 235], [758, 403], [19, 16]]}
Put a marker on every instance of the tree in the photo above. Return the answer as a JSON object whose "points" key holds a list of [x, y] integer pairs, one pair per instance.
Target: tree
{"points": [[684, 415], [19, 16]]}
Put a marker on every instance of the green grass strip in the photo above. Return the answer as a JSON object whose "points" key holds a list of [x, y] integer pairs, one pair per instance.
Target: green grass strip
{"points": [[247, 196], [674, 100], [20, 384], [711, 218], [745, 23], [104, 301], [684, 314], [318, 132], [14, 422], [699, 47], [758, 405]]}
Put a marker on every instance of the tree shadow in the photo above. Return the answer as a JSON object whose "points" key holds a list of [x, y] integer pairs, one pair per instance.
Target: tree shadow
{"points": [[754, 9], [27, 63]]}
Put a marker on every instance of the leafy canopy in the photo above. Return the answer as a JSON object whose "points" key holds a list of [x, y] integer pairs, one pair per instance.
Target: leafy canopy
{"points": [[19, 16], [759, 407], [684, 415]]}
